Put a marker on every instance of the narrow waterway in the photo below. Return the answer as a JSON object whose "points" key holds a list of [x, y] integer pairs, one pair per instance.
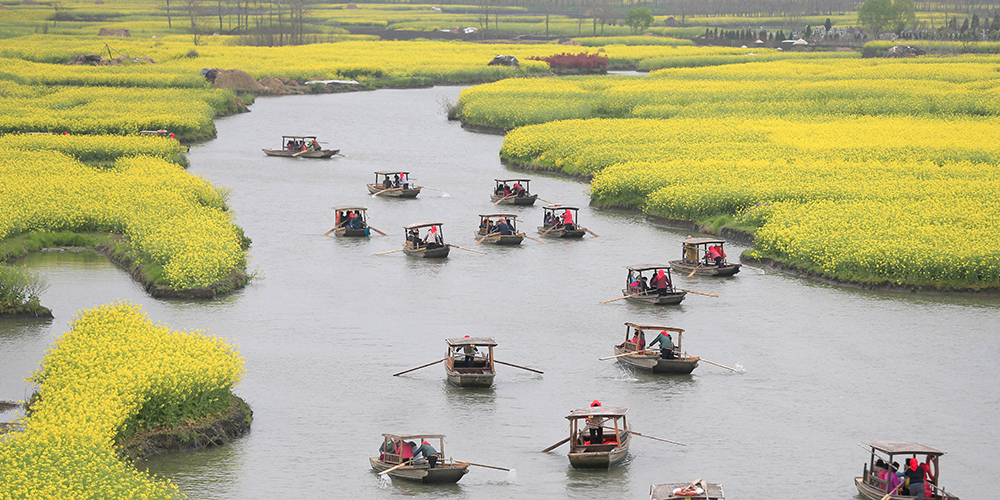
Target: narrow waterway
{"points": [[327, 322]]}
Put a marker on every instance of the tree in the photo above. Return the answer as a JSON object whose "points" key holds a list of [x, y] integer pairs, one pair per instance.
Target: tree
{"points": [[877, 15], [828, 24], [639, 19]]}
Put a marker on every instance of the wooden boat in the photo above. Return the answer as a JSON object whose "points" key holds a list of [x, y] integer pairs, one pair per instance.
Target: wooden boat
{"points": [[487, 235], [586, 455], [504, 194], [418, 247], [446, 470], [297, 151], [344, 228], [394, 189], [631, 291], [652, 360], [465, 372], [554, 225], [694, 257], [872, 487], [698, 490]]}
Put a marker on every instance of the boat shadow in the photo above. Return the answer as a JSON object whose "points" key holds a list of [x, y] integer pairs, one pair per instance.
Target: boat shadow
{"points": [[475, 398], [585, 482]]}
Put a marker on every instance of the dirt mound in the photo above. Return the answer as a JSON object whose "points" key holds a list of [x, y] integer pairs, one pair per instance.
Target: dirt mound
{"points": [[568, 41], [115, 32], [351, 6], [273, 85], [236, 79], [906, 51]]}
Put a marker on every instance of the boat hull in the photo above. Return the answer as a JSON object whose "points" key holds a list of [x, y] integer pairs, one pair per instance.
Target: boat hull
{"points": [[872, 493], [464, 379], [652, 298], [351, 233], [513, 200], [322, 153], [548, 232], [394, 192], [423, 473], [682, 266], [506, 239], [434, 253], [656, 364], [601, 459]]}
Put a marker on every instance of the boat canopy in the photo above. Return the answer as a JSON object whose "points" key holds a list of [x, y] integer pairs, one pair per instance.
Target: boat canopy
{"points": [[702, 241], [297, 137], [646, 267], [391, 172], [490, 216], [405, 437], [519, 179], [350, 208], [560, 207], [652, 327], [423, 224], [598, 411], [903, 447], [483, 341]]}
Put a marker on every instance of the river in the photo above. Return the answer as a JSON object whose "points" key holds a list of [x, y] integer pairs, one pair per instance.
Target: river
{"points": [[327, 322]]}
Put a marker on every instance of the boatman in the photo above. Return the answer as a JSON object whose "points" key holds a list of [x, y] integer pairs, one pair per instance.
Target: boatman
{"points": [[666, 345], [596, 426], [470, 352], [503, 228], [404, 181], [433, 239], [427, 451]]}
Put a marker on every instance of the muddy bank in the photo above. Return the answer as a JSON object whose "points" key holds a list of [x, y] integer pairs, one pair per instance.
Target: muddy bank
{"points": [[211, 430], [117, 252]]}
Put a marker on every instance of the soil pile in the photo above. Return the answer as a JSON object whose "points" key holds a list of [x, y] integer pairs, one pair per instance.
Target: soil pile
{"points": [[236, 79]]}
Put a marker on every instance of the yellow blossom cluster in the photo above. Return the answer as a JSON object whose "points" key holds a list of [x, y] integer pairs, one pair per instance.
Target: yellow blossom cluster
{"points": [[98, 375]]}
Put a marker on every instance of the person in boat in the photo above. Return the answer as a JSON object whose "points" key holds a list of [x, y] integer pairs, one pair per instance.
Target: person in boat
{"points": [[290, 146], [918, 475], [519, 190], [387, 183], [470, 352], [596, 426], [354, 221], [888, 474], [666, 345], [484, 226], [636, 339], [314, 146], [715, 255], [414, 237], [389, 445], [403, 180], [643, 287], [427, 451], [567, 219], [433, 239], [662, 283], [503, 228]]}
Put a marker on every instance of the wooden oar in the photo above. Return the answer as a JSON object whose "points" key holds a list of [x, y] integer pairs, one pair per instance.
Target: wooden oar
{"points": [[751, 267], [300, 152], [547, 201], [466, 249], [620, 298], [547, 231], [535, 239], [419, 367], [695, 269], [491, 235], [390, 251], [382, 191], [517, 366], [487, 466], [717, 364], [377, 231], [595, 235], [889, 495], [394, 468], [658, 439], [699, 293], [330, 231], [501, 199], [560, 443], [636, 353]]}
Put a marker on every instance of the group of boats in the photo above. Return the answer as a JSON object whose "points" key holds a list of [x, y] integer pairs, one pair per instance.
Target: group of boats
{"points": [[599, 436]]}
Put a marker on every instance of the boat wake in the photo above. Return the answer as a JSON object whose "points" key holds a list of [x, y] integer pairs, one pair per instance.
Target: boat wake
{"points": [[740, 369], [384, 482], [512, 476]]}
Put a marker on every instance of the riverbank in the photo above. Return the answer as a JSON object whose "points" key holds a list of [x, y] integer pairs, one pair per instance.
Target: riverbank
{"points": [[209, 430]]}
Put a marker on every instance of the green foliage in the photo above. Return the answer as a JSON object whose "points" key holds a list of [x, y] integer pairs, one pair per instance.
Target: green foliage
{"points": [[639, 19], [878, 15], [18, 287]]}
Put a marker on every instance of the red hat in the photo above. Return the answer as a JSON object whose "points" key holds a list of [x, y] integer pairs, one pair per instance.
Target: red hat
{"points": [[466, 336], [914, 463], [595, 403]]}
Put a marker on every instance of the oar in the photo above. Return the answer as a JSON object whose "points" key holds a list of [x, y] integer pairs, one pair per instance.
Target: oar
{"points": [[658, 439], [516, 366], [501, 199], [394, 468], [547, 231], [487, 466], [300, 152], [491, 235], [419, 367], [432, 189], [330, 231], [547, 201], [642, 352], [382, 191], [390, 251], [466, 249], [751, 267], [889, 495], [699, 293], [560, 443], [535, 239], [620, 298], [377, 231], [717, 364], [595, 235], [695, 269]]}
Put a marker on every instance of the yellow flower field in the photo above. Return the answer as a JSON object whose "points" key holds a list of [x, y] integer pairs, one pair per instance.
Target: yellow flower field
{"points": [[97, 376]]}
